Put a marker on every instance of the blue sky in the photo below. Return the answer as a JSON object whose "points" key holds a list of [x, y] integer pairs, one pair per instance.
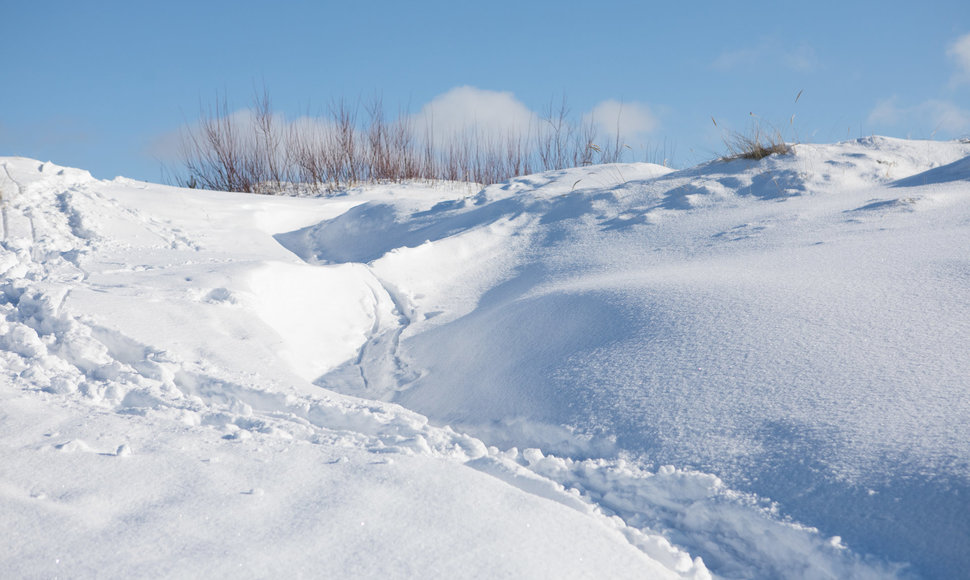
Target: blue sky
{"points": [[105, 85]]}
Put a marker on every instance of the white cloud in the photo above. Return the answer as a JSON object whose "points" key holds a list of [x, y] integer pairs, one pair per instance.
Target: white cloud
{"points": [[630, 120], [959, 51], [488, 117], [496, 115], [491, 114], [886, 112], [171, 147], [933, 117]]}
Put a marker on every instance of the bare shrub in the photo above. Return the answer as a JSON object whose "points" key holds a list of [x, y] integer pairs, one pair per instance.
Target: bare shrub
{"points": [[213, 155], [554, 135], [346, 162], [271, 166], [310, 152], [256, 151]]}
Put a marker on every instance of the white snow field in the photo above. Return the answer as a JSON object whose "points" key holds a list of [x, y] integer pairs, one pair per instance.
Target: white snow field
{"points": [[746, 369]]}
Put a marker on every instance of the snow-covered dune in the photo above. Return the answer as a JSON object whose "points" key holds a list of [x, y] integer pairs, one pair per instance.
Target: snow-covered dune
{"points": [[751, 369]]}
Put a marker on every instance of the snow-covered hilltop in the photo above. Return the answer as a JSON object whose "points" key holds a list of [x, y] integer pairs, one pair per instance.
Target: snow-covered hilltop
{"points": [[747, 369]]}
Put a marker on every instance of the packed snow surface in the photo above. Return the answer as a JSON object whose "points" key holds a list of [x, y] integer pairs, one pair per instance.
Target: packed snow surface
{"points": [[746, 369]]}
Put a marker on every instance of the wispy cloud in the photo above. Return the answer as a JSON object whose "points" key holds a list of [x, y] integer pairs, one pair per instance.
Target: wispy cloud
{"points": [[165, 147], [745, 58], [959, 52], [939, 117], [801, 59], [886, 112], [932, 117], [769, 54]]}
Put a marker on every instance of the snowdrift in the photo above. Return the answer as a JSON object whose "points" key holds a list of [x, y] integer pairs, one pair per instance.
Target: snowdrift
{"points": [[746, 369]]}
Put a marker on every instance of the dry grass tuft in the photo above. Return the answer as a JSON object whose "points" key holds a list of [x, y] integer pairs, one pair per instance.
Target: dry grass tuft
{"points": [[755, 145], [760, 141]]}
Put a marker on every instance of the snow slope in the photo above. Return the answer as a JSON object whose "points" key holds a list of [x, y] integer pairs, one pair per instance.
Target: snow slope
{"points": [[614, 371]]}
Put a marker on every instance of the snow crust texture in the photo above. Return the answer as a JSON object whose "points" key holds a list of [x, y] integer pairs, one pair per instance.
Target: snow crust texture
{"points": [[740, 370]]}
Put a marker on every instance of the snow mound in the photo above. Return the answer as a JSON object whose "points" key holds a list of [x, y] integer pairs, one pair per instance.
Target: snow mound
{"points": [[957, 171], [196, 382]]}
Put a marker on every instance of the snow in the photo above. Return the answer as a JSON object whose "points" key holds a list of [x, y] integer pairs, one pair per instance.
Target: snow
{"points": [[745, 369]]}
